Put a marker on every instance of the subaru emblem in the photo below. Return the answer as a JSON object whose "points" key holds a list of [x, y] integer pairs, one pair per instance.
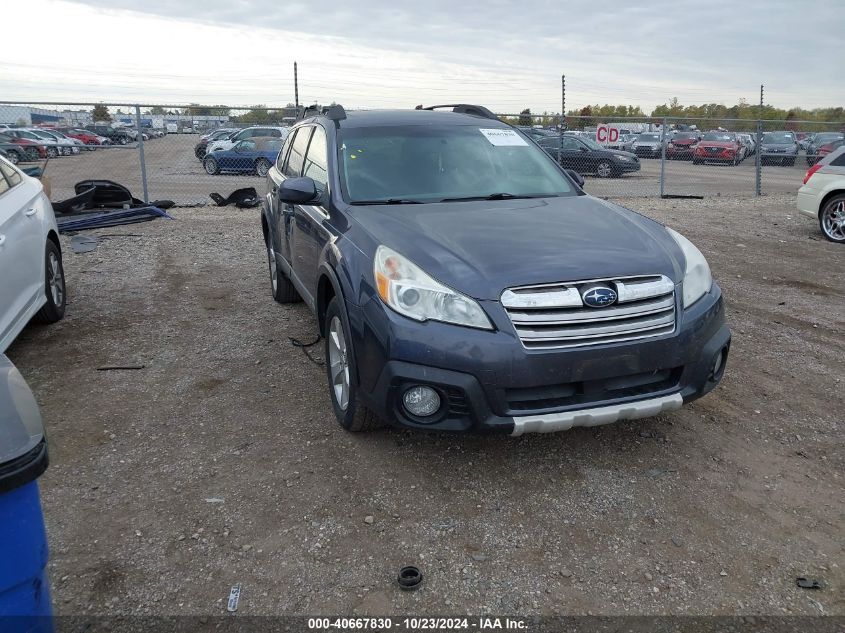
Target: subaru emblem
{"points": [[599, 296]]}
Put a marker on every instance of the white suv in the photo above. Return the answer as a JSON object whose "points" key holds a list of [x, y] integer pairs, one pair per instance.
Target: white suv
{"points": [[823, 195], [280, 133], [32, 279]]}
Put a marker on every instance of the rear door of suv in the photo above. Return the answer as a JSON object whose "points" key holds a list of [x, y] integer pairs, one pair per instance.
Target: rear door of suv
{"points": [[288, 165]]}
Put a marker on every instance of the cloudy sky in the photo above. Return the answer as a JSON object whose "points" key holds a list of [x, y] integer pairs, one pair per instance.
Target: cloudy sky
{"points": [[383, 53]]}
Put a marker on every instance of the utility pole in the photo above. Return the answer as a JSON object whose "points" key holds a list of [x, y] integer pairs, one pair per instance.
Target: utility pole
{"points": [[758, 162], [562, 102], [296, 89]]}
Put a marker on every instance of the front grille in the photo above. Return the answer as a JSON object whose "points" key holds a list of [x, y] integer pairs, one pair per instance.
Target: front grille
{"points": [[554, 316], [714, 150]]}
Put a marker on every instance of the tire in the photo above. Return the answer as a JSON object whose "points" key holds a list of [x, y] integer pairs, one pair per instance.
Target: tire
{"points": [[14, 157], [605, 169], [32, 155], [52, 152], [281, 287], [340, 366], [54, 286], [790, 162], [199, 152], [122, 140], [210, 165], [695, 161], [262, 166], [832, 219]]}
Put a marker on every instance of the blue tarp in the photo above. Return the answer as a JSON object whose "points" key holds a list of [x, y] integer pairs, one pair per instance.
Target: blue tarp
{"points": [[100, 219]]}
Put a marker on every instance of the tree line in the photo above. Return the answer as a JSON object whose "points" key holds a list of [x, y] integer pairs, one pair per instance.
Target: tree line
{"points": [[704, 116]]}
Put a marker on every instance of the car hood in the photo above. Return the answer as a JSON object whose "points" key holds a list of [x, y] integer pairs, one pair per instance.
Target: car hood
{"points": [[646, 143], [619, 152], [684, 141], [778, 146], [481, 248], [716, 144]]}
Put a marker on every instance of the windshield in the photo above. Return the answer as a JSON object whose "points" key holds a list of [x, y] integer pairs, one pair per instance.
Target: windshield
{"points": [[586, 140], [778, 137], [648, 138], [717, 136], [685, 136], [431, 163]]}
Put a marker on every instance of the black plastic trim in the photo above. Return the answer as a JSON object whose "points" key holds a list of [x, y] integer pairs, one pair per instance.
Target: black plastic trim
{"points": [[24, 469]]}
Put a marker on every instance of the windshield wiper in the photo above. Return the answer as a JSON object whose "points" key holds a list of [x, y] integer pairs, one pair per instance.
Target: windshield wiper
{"points": [[494, 196], [388, 201]]}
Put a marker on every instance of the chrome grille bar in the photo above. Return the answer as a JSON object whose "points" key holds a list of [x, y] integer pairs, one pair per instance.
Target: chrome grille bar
{"points": [[554, 315]]}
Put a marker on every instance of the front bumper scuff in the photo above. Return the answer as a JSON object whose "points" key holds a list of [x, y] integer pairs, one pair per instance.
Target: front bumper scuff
{"points": [[561, 421]]}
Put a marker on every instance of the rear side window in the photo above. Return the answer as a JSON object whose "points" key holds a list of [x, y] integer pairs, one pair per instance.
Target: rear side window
{"points": [[839, 161], [316, 162], [280, 161], [12, 174], [293, 167], [4, 185]]}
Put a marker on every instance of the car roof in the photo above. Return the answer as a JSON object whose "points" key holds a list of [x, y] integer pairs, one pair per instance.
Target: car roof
{"points": [[377, 118]]}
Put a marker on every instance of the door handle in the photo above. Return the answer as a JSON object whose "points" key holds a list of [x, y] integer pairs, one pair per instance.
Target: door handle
{"points": [[287, 209], [31, 212]]}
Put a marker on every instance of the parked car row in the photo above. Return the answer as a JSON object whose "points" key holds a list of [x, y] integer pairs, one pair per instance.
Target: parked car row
{"points": [[249, 150], [29, 144]]}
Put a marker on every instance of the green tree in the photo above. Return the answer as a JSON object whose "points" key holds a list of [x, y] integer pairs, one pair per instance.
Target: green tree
{"points": [[525, 117], [100, 113]]}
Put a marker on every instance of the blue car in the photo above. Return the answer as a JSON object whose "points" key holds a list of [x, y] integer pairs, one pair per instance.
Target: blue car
{"points": [[251, 155], [463, 281]]}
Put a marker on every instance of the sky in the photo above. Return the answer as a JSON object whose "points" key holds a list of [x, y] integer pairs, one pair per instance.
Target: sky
{"points": [[390, 53]]}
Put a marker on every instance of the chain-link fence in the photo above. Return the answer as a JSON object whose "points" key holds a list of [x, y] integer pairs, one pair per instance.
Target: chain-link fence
{"points": [[185, 153]]}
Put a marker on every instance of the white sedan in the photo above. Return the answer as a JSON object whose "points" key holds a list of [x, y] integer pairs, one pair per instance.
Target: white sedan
{"points": [[32, 279], [823, 195]]}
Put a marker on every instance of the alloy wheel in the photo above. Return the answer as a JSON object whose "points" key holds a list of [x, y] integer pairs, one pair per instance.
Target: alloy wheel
{"points": [[833, 221], [55, 279], [338, 363]]}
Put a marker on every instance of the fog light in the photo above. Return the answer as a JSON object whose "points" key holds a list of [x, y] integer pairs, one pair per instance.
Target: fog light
{"points": [[718, 365], [421, 401]]}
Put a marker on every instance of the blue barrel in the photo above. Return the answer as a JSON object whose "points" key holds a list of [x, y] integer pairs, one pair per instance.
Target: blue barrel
{"points": [[25, 605]]}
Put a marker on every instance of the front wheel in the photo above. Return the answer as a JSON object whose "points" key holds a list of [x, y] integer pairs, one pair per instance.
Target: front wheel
{"points": [[52, 152], [211, 166], [341, 372], [14, 157], [604, 169], [262, 166], [832, 219], [54, 286]]}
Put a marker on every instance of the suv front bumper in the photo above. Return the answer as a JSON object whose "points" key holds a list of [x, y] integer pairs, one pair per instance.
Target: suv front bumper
{"points": [[489, 382]]}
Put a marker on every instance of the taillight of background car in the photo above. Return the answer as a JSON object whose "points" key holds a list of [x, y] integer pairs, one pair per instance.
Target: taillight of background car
{"points": [[811, 171]]}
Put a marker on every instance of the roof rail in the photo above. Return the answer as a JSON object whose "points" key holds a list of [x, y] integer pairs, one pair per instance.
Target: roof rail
{"points": [[464, 108], [333, 112]]}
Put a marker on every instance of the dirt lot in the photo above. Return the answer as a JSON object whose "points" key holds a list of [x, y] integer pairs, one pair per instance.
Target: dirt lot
{"points": [[220, 462], [175, 173]]}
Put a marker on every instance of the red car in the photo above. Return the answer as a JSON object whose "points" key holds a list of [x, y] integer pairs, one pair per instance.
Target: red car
{"points": [[86, 136], [682, 145], [827, 148], [33, 150], [718, 147]]}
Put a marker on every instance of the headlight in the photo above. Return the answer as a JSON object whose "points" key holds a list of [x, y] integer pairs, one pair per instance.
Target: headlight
{"points": [[697, 278], [403, 286], [624, 158]]}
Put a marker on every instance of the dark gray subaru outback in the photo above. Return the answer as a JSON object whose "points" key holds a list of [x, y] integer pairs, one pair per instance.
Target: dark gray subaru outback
{"points": [[463, 281]]}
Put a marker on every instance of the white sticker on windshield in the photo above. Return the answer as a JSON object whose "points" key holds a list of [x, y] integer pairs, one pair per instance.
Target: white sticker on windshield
{"points": [[501, 137]]}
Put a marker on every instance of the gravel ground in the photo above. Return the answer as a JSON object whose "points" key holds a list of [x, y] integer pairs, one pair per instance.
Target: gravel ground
{"points": [[220, 462]]}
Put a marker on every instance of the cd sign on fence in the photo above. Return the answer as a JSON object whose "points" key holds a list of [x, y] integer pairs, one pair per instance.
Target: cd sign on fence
{"points": [[607, 134]]}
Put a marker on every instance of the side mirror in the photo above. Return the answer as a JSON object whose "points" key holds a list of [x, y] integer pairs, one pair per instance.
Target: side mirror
{"points": [[578, 178], [298, 190]]}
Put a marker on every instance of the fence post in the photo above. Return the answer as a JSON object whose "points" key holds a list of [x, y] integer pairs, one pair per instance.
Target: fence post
{"points": [[758, 160], [141, 153], [663, 157]]}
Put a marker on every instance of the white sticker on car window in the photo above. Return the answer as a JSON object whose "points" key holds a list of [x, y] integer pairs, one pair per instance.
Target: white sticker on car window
{"points": [[502, 138]]}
